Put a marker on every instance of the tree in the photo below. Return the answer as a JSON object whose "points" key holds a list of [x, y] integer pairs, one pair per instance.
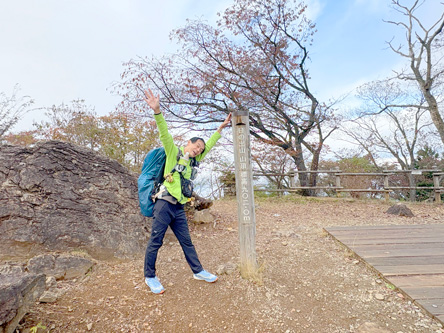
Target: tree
{"points": [[119, 136], [273, 162], [256, 59], [353, 163], [75, 123], [24, 138], [427, 158], [12, 108], [127, 139], [424, 53], [383, 129], [391, 124]]}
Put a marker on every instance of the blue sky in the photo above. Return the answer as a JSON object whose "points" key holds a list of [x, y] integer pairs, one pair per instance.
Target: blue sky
{"points": [[58, 51]]}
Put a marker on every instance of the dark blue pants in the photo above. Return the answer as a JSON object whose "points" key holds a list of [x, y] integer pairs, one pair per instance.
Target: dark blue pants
{"points": [[166, 214]]}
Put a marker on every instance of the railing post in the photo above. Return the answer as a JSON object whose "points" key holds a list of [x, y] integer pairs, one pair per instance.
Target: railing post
{"points": [[244, 194], [386, 185], [436, 188], [337, 181], [412, 184], [293, 180]]}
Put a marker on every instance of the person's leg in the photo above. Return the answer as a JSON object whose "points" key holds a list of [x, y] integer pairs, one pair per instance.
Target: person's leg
{"points": [[180, 229], [163, 215]]}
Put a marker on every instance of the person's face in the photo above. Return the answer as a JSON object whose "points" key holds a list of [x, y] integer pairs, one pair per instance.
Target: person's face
{"points": [[195, 148]]}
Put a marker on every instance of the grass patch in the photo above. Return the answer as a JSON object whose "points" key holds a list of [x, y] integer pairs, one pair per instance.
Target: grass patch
{"points": [[254, 273]]}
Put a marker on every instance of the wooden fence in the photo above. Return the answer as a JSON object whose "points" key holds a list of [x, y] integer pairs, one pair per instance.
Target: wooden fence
{"points": [[338, 188]]}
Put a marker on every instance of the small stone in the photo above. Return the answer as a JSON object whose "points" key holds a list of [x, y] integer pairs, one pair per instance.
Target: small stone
{"points": [[368, 327], [378, 281], [220, 270], [49, 297], [89, 326], [355, 262], [284, 243], [51, 282], [379, 297]]}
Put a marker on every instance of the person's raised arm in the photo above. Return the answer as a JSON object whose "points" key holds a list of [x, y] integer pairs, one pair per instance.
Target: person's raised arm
{"points": [[165, 137], [225, 123], [152, 101]]}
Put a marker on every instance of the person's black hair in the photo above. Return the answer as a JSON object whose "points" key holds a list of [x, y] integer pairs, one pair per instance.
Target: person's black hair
{"points": [[195, 138]]}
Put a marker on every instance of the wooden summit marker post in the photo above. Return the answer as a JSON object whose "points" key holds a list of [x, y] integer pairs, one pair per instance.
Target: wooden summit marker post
{"points": [[244, 194]]}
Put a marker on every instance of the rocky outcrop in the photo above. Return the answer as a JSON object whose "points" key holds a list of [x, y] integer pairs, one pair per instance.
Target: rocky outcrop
{"points": [[17, 294], [59, 266], [58, 196]]}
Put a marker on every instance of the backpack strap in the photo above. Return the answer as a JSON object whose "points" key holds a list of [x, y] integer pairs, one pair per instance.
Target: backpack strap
{"points": [[193, 164]]}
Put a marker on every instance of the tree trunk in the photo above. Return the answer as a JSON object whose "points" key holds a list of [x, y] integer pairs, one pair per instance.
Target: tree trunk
{"points": [[412, 183], [300, 164], [315, 166], [434, 113]]}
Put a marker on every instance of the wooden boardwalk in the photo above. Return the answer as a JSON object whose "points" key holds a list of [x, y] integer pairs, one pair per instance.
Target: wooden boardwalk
{"points": [[411, 257]]}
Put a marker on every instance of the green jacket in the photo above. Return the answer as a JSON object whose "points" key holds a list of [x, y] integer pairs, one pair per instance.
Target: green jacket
{"points": [[171, 151]]}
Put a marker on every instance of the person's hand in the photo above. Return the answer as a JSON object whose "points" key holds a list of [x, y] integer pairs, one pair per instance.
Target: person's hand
{"points": [[225, 123], [152, 101]]}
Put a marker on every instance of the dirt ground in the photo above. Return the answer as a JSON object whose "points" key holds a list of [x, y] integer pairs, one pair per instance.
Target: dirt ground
{"points": [[309, 282]]}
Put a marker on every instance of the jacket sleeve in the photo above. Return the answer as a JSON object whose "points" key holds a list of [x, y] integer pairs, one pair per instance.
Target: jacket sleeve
{"points": [[165, 137], [209, 144]]}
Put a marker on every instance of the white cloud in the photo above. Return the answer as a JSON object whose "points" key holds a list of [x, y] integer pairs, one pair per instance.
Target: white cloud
{"points": [[314, 9]]}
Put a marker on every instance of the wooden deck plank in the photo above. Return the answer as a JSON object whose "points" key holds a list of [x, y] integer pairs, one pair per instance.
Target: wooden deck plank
{"points": [[388, 228], [435, 280], [399, 253], [399, 246], [425, 292], [386, 233], [359, 228], [410, 269], [411, 257], [435, 306], [389, 241], [418, 238], [401, 260]]}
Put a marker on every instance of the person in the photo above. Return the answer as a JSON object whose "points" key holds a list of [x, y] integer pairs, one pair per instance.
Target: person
{"points": [[169, 206]]}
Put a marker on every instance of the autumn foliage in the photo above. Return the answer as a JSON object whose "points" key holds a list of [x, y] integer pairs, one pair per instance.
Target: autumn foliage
{"points": [[119, 136], [254, 59]]}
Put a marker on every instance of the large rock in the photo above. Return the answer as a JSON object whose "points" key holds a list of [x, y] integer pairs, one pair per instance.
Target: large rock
{"points": [[59, 266], [58, 196], [203, 216], [17, 294], [401, 210]]}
